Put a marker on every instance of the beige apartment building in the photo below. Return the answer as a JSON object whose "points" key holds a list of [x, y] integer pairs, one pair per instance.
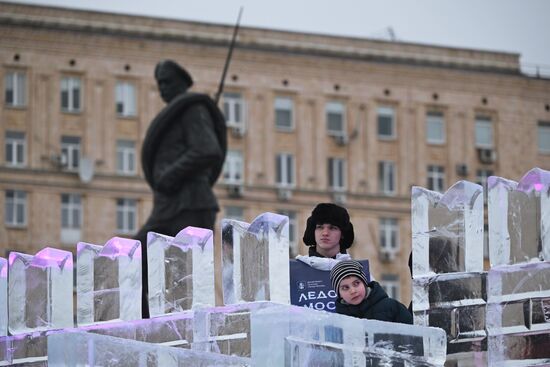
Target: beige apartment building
{"points": [[311, 118]]}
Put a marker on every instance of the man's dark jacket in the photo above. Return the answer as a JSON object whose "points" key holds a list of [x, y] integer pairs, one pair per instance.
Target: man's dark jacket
{"points": [[377, 306], [182, 155]]}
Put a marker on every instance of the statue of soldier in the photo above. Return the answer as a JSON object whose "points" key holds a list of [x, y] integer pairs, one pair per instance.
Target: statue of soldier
{"points": [[182, 156]]}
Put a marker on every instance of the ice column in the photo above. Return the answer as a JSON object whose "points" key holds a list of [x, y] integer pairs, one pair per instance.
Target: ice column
{"points": [[448, 278], [108, 281], [40, 291], [519, 218], [181, 270], [518, 303], [298, 336], [255, 260], [3, 297]]}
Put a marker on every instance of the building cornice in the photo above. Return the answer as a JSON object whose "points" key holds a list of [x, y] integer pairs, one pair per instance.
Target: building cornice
{"points": [[218, 35]]}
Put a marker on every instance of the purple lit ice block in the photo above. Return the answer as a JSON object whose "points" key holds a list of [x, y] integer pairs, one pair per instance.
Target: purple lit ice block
{"points": [[447, 229], [108, 282], [85, 349], [255, 260], [181, 271], [3, 296], [519, 218], [518, 315], [40, 291], [299, 336]]}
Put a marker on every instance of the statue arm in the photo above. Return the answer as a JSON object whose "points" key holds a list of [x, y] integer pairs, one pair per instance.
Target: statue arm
{"points": [[202, 150]]}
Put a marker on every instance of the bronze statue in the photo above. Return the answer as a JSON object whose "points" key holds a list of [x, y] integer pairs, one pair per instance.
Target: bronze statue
{"points": [[182, 156]]}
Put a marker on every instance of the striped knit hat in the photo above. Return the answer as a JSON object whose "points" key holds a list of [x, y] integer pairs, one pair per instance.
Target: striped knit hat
{"points": [[344, 269]]}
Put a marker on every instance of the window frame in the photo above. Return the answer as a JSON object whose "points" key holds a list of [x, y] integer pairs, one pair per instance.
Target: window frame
{"points": [[544, 127], [126, 98], [284, 167], [16, 147], [233, 168], [70, 85], [15, 207], [386, 111], [436, 178], [337, 169], [71, 147], [481, 122], [279, 105], [335, 107], [126, 157], [387, 178], [126, 215], [14, 81], [434, 118], [234, 109], [388, 231]]}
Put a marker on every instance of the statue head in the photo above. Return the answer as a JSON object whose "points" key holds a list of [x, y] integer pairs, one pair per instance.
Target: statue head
{"points": [[172, 79]]}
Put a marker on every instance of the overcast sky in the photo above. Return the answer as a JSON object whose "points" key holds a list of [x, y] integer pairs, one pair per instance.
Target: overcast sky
{"points": [[518, 26]]}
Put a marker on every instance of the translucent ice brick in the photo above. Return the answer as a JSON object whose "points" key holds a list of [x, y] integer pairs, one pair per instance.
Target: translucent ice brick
{"points": [[519, 218], [66, 350], [298, 336], [40, 291], [447, 229], [225, 329], [108, 281], [518, 314], [181, 270], [255, 259], [3, 297]]}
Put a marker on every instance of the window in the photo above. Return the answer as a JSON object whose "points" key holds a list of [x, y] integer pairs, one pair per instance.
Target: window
{"points": [[436, 178], [16, 147], [481, 179], [233, 109], [70, 152], [484, 132], [70, 94], [285, 169], [390, 283], [544, 136], [386, 122], [337, 173], [389, 231], [234, 212], [291, 232], [125, 99], [126, 216], [71, 218], [15, 88], [435, 128], [126, 157], [233, 167], [386, 177], [71, 211], [335, 118], [284, 113], [16, 208]]}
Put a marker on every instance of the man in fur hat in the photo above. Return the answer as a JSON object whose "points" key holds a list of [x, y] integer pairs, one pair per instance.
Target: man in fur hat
{"points": [[329, 233]]}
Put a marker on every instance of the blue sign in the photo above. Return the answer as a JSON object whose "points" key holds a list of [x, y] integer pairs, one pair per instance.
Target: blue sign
{"points": [[310, 287]]}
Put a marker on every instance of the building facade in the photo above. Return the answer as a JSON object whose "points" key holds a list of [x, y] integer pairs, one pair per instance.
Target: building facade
{"points": [[311, 118]]}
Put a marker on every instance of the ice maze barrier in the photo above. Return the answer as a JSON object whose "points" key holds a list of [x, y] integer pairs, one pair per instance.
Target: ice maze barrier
{"points": [[255, 260], [66, 350], [3, 297], [108, 281], [180, 270], [499, 317]]}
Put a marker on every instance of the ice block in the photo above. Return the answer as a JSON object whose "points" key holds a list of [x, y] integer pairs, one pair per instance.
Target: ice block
{"points": [[108, 281], [181, 271], [85, 349], [519, 218], [299, 336], [40, 290], [255, 259]]}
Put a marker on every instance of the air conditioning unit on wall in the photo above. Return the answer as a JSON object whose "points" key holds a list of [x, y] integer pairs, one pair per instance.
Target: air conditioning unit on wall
{"points": [[387, 256], [487, 155], [237, 131], [284, 194], [235, 190]]}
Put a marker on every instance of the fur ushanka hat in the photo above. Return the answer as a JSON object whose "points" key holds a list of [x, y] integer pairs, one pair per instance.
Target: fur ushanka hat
{"points": [[332, 214]]}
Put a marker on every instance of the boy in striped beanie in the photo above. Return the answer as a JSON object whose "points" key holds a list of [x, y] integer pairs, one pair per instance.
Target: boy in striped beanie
{"points": [[359, 298]]}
